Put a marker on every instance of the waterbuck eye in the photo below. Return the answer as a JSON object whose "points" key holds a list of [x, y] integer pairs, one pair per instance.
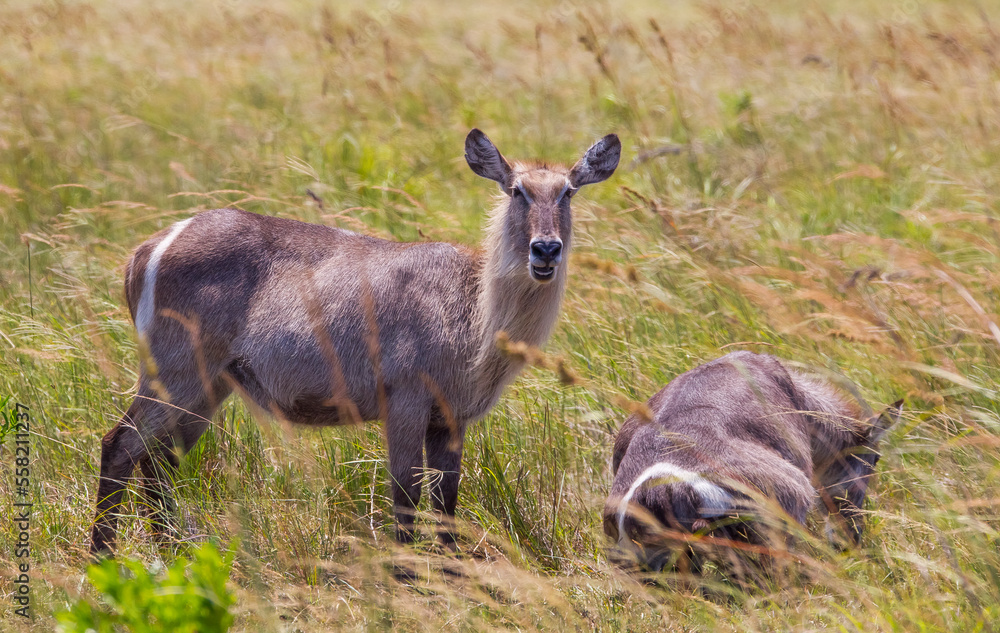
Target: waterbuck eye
{"points": [[519, 194]]}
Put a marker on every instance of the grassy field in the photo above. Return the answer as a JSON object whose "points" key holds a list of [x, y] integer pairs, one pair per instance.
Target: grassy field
{"points": [[819, 183]]}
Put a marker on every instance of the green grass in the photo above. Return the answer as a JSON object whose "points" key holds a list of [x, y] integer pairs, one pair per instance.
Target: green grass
{"points": [[820, 184]]}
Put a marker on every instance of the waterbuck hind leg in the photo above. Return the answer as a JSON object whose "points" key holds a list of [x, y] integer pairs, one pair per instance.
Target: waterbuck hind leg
{"points": [[444, 454], [146, 437], [121, 449]]}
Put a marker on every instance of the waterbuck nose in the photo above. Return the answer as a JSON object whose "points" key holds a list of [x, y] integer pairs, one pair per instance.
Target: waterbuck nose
{"points": [[546, 251]]}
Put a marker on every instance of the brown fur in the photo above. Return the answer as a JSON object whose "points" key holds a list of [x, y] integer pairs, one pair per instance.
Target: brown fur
{"points": [[319, 325], [739, 427]]}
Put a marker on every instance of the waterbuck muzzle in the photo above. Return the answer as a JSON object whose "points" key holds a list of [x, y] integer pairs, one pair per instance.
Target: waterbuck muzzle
{"points": [[546, 254]]}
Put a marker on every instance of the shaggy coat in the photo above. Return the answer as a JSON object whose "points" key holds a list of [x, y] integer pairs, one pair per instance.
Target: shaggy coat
{"points": [[319, 325], [739, 436]]}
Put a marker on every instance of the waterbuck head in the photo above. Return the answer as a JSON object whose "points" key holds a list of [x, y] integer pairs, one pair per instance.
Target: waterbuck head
{"points": [[843, 478], [536, 227]]}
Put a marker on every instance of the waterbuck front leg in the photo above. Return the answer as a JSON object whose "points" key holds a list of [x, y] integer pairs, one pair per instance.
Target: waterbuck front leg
{"points": [[405, 428], [444, 454]]}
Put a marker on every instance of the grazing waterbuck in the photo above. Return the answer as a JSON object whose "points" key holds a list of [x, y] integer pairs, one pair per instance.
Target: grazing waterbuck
{"points": [[322, 326], [726, 440]]}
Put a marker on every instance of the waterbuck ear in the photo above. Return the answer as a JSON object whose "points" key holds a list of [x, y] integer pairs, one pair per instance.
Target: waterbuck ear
{"points": [[485, 159], [883, 423], [598, 163]]}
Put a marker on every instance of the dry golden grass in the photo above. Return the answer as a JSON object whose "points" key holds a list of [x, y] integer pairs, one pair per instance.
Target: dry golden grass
{"points": [[820, 182]]}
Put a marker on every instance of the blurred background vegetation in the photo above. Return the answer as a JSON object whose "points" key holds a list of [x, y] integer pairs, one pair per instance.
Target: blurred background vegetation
{"points": [[819, 181]]}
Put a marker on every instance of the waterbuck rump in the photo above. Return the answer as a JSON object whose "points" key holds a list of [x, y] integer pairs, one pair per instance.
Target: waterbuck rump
{"points": [[739, 449]]}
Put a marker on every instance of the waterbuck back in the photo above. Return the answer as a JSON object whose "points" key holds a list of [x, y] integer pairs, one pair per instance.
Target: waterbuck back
{"points": [[318, 325], [735, 449]]}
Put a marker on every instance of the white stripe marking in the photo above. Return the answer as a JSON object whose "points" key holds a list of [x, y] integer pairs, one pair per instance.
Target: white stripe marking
{"points": [[716, 501], [144, 314]]}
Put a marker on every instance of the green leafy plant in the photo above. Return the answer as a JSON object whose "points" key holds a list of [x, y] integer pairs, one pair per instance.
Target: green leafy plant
{"points": [[190, 596]]}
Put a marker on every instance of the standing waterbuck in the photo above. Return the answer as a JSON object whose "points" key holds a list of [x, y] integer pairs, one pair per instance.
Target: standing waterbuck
{"points": [[741, 437], [322, 326]]}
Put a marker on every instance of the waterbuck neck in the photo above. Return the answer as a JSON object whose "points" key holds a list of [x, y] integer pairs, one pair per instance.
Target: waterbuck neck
{"points": [[509, 301]]}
